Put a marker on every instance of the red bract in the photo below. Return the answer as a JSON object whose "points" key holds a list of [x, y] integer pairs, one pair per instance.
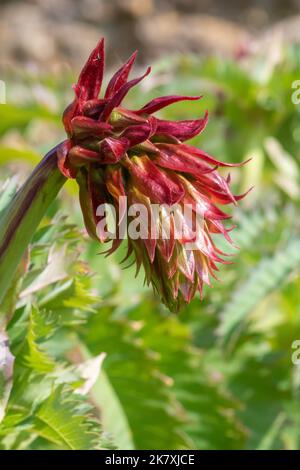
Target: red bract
{"points": [[114, 152]]}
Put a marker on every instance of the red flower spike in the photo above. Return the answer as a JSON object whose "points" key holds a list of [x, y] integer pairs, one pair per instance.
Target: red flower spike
{"points": [[115, 152]]}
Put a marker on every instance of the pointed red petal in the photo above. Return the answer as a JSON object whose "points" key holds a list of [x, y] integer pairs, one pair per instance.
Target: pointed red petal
{"points": [[152, 181], [184, 149], [186, 263], [91, 195], [68, 115], [150, 244], [82, 125], [114, 182], [166, 245], [62, 160], [241, 196], [90, 79], [92, 108], [180, 161], [140, 133], [120, 77], [112, 150], [187, 289], [120, 94], [115, 186], [79, 156], [204, 156], [182, 130], [216, 187], [148, 147], [164, 101], [130, 117]]}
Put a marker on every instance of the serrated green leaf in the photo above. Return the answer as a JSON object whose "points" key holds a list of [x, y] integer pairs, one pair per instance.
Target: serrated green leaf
{"points": [[60, 419], [269, 274], [31, 354]]}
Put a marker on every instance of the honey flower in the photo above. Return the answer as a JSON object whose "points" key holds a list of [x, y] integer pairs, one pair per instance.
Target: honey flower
{"points": [[114, 152]]}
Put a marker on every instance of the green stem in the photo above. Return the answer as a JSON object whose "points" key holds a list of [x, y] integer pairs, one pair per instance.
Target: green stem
{"points": [[23, 215]]}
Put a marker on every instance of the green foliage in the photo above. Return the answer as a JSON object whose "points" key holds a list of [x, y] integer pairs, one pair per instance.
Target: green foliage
{"points": [[217, 376], [268, 275], [63, 421], [30, 354]]}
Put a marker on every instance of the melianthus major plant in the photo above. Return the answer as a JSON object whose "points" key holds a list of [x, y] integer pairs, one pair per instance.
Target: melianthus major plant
{"points": [[228, 372], [114, 152]]}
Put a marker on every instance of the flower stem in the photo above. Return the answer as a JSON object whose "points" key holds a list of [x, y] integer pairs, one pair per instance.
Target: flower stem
{"points": [[24, 213]]}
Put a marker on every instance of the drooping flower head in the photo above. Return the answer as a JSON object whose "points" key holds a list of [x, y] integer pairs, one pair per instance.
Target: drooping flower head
{"points": [[114, 152]]}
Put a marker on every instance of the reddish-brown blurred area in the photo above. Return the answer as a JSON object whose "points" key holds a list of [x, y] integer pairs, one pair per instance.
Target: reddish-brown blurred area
{"points": [[45, 33]]}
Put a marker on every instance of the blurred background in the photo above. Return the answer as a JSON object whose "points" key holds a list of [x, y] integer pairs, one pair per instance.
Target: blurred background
{"points": [[224, 373], [65, 30]]}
